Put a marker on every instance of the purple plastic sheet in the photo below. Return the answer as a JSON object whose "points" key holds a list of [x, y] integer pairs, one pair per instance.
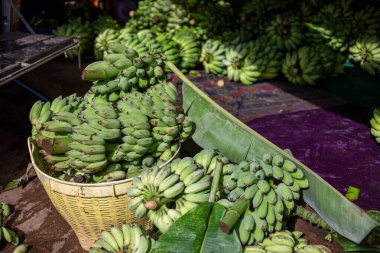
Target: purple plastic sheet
{"points": [[335, 143]]}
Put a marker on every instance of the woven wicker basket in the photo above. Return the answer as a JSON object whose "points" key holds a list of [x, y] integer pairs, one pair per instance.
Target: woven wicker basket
{"points": [[88, 208]]}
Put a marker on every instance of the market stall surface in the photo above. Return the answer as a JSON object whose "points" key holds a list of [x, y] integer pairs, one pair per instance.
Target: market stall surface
{"points": [[35, 217]]}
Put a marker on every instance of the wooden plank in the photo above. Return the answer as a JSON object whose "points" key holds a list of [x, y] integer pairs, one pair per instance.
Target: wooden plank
{"points": [[22, 52]]}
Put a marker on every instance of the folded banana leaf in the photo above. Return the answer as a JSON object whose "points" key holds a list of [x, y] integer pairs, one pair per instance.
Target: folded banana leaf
{"points": [[198, 231], [218, 129]]}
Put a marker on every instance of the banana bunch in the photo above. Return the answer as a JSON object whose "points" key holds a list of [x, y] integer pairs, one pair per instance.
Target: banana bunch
{"points": [[272, 184], [53, 122], [212, 56], [76, 27], [366, 51], [189, 51], [163, 217], [286, 242], [9, 235], [104, 22], [165, 119], [236, 54], [148, 38], [169, 49], [375, 125], [88, 152], [285, 31], [168, 125], [135, 71], [137, 136], [102, 40], [128, 238], [365, 21], [143, 72], [181, 185], [307, 65], [262, 62]]}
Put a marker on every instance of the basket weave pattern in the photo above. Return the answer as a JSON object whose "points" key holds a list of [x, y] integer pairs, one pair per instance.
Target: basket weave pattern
{"points": [[88, 208]]}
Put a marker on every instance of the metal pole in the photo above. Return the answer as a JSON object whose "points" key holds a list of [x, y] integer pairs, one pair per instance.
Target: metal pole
{"points": [[31, 90], [21, 17]]}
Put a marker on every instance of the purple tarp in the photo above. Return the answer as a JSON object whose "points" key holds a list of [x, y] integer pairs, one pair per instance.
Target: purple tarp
{"points": [[335, 143]]}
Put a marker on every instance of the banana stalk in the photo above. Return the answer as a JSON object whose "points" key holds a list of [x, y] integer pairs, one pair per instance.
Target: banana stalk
{"points": [[233, 215], [215, 181]]}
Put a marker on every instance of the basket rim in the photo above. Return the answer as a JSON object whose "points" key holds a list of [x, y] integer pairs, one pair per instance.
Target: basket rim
{"points": [[31, 148]]}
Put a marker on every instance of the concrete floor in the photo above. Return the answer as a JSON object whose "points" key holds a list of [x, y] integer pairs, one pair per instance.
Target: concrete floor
{"points": [[35, 217]]}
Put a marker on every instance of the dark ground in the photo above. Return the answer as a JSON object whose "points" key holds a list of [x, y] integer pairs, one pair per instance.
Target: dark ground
{"points": [[35, 217]]}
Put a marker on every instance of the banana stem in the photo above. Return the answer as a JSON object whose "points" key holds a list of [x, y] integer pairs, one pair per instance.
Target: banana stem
{"points": [[151, 205], [215, 180], [233, 215], [154, 204]]}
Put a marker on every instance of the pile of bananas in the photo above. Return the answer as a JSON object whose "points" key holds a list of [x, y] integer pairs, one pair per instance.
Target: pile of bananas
{"points": [[80, 28], [110, 134], [166, 194], [307, 65], [272, 185], [366, 51], [128, 239], [375, 124], [287, 26], [9, 235], [286, 242]]}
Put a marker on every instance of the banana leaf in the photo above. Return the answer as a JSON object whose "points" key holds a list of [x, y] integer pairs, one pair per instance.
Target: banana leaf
{"points": [[349, 246], [218, 129], [198, 231]]}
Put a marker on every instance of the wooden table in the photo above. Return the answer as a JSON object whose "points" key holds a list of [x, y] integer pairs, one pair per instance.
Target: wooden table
{"points": [[22, 52]]}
